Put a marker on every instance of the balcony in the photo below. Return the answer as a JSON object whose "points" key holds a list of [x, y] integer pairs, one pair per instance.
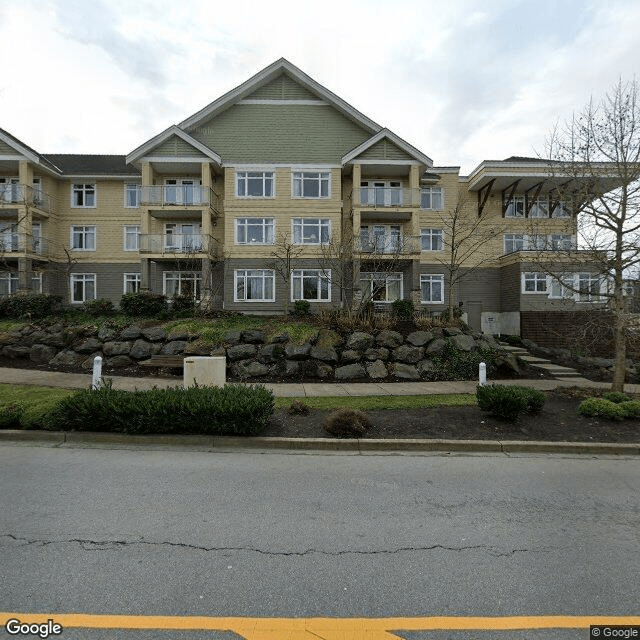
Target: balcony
{"points": [[386, 246], [22, 194], [21, 244], [178, 244], [180, 196], [386, 197]]}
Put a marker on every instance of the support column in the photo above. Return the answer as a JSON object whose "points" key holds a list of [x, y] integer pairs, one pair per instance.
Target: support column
{"points": [[145, 274], [24, 275], [415, 293]]}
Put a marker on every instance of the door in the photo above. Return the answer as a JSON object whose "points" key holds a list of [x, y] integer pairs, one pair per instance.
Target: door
{"points": [[474, 315]]}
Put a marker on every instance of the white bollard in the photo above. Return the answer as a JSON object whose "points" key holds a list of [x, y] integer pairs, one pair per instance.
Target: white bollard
{"points": [[96, 381], [482, 373]]}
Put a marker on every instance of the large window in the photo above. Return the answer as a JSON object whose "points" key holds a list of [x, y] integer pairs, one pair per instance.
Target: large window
{"points": [[432, 288], [83, 237], [132, 282], [514, 242], [431, 198], [181, 283], [131, 237], [589, 287], [83, 287], [381, 193], [9, 282], [381, 238], [534, 283], [131, 195], [562, 287], [83, 195], [432, 239], [311, 184], [255, 184], [313, 285], [562, 242], [381, 287], [255, 285], [255, 230], [311, 230], [515, 208]]}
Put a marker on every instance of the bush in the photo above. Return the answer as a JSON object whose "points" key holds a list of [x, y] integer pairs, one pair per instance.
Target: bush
{"points": [[33, 305], [183, 304], [601, 408], [100, 307], [630, 409], [454, 364], [403, 309], [508, 402], [10, 416], [514, 341], [347, 423], [229, 410], [301, 308], [297, 407], [616, 396], [143, 304]]}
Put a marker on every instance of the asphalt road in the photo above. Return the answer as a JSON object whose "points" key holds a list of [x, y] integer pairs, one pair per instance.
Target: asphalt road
{"points": [[187, 533]]}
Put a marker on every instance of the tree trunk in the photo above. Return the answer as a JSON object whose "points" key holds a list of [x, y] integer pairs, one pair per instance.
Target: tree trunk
{"points": [[620, 350]]}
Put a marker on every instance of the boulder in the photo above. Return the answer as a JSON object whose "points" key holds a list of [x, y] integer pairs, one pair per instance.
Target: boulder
{"points": [[66, 358], [425, 367], [451, 331], [297, 351], [389, 339], [279, 338], [198, 348], [131, 333], [232, 338], [404, 371], [218, 351], [106, 333], [89, 345], [16, 351], [419, 338], [179, 335], [87, 363], [35, 337], [116, 348], [435, 346], [118, 362], [173, 348], [328, 338], [408, 354], [241, 352], [326, 354], [41, 353], [359, 341], [381, 353], [253, 337], [271, 353], [463, 342], [154, 334], [141, 350], [291, 369], [350, 372], [323, 371], [507, 362], [376, 370], [56, 339], [248, 369], [350, 356]]}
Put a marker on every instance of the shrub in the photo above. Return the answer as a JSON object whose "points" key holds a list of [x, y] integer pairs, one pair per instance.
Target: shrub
{"points": [[100, 307], [183, 304], [403, 309], [514, 341], [508, 402], [229, 410], [601, 408], [33, 305], [10, 416], [347, 423], [616, 396], [454, 364], [297, 407], [301, 308], [143, 304], [630, 409]]}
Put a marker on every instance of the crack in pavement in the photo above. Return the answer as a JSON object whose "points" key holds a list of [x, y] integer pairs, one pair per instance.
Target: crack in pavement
{"points": [[106, 545]]}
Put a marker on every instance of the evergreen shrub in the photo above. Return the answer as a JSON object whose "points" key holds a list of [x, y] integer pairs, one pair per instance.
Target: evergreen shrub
{"points": [[508, 402]]}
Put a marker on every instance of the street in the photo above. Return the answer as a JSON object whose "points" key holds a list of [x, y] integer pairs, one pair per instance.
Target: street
{"points": [[281, 535]]}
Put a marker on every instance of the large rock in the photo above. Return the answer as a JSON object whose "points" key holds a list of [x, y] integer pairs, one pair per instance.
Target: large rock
{"points": [[420, 338], [66, 358], [106, 333], [350, 372], [241, 352], [359, 341], [376, 370], [407, 354], [131, 333], [425, 367], [435, 346], [271, 353], [451, 331], [89, 345], [118, 362], [232, 338], [389, 339], [297, 351], [177, 335], [35, 337], [41, 353], [326, 354], [463, 342], [291, 369], [405, 371], [381, 353], [507, 362], [328, 338], [141, 350], [350, 356], [173, 348], [154, 334], [87, 363], [198, 348], [279, 338], [253, 336], [248, 369], [56, 339], [16, 351], [116, 348], [323, 371]]}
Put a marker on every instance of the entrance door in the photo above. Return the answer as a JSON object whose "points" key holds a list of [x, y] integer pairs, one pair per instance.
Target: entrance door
{"points": [[474, 315]]}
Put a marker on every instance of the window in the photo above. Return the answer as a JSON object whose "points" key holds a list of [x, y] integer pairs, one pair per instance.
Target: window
{"points": [[183, 191], [131, 237], [381, 287], [255, 285], [561, 242], [132, 282], [83, 195], [534, 283], [313, 285], [381, 238], [311, 184], [563, 287], [131, 195], [255, 230], [513, 242], [255, 184], [539, 208], [183, 237], [561, 210], [9, 283], [181, 283], [8, 238], [83, 237], [588, 287], [432, 287], [381, 193], [431, 198], [432, 239], [311, 230], [83, 287], [515, 208]]}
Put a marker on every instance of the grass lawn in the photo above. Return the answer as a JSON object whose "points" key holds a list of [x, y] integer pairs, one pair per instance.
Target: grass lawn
{"points": [[35, 401], [383, 402]]}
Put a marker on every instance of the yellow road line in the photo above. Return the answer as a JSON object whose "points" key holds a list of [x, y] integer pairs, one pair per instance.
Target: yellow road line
{"points": [[325, 628]]}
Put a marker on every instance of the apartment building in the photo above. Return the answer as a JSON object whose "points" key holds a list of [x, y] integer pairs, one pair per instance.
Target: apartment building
{"points": [[280, 166]]}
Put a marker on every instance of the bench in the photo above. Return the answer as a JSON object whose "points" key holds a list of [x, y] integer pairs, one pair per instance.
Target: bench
{"points": [[169, 362]]}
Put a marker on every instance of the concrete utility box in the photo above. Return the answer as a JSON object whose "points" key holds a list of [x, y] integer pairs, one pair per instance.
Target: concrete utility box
{"points": [[210, 371]]}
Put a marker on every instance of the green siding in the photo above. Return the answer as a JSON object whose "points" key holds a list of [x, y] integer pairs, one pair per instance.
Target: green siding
{"points": [[385, 150], [176, 146], [5, 149], [283, 134], [282, 88]]}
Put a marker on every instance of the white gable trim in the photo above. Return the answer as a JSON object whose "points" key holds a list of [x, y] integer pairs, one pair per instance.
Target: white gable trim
{"points": [[20, 148], [309, 103], [399, 142], [173, 130]]}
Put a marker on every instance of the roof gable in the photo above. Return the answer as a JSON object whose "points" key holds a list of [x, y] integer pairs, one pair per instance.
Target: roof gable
{"points": [[386, 146], [173, 142], [282, 87]]}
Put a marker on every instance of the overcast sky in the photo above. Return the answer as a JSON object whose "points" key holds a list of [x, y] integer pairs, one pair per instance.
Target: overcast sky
{"points": [[464, 81]]}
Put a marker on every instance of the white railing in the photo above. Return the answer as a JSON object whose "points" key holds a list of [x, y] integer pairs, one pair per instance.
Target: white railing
{"points": [[15, 193], [387, 244], [13, 242], [386, 197], [179, 195], [177, 243]]}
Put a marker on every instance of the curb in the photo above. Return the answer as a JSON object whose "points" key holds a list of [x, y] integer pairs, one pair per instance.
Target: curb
{"points": [[222, 443]]}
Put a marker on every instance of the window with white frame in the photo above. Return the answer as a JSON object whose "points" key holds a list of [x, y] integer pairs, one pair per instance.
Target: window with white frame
{"points": [[313, 285], [254, 285], [83, 287], [432, 287], [381, 193], [36, 282], [513, 242], [83, 195], [539, 208], [132, 282], [182, 283], [132, 195], [562, 242], [83, 237], [538, 242], [534, 282], [311, 184], [431, 198], [561, 209], [255, 230], [9, 239], [311, 230], [381, 287], [255, 184], [589, 287], [515, 208], [9, 282], [562, 287], [432, 239], [131, 237]]}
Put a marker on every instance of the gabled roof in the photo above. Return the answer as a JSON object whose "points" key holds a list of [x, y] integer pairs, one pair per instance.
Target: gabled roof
{"points": [[399, 142], [173, 130], [92, 164], [27, 152], [267, 75]]}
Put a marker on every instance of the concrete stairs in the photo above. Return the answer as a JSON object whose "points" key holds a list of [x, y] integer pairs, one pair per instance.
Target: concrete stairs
{"points": [[567, 374]]}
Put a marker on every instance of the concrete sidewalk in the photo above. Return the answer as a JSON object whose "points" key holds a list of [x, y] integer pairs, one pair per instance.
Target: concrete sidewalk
{"points": [[289, 390]]}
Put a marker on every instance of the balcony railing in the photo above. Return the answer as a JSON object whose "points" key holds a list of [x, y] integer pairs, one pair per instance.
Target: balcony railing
{"points": [[386, 197], [179, 196], [387, 245], [13, 243], [180, 244], [15, 193]]}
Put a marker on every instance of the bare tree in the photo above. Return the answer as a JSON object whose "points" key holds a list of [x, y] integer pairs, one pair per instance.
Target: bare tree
{"points": [[282, 261]]}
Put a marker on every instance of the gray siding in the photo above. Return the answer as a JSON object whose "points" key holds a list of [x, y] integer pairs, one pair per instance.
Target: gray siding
{"points": [[385, 150], [6, 149], [282, 88], [109, 279], [176, 146], [510, 288], [481, 285]]}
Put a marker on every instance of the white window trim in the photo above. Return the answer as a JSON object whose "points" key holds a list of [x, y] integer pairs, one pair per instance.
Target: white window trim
{"points": [[310, 244], [124, 233], [253, 244], [85, 206], [442, 192], [124, 280], [84, 290], [235, 286], [321, 273], [84, 226], [303, 171], [256, 170], [431, 235], [138, 191], [523, 290], [432, 275], [197, 276], [397, 275]]}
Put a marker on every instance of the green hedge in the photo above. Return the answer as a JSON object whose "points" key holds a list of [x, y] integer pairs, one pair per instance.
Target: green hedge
{"points": [[229, 410], [507, 402], [143, 304], [33, 306]]}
